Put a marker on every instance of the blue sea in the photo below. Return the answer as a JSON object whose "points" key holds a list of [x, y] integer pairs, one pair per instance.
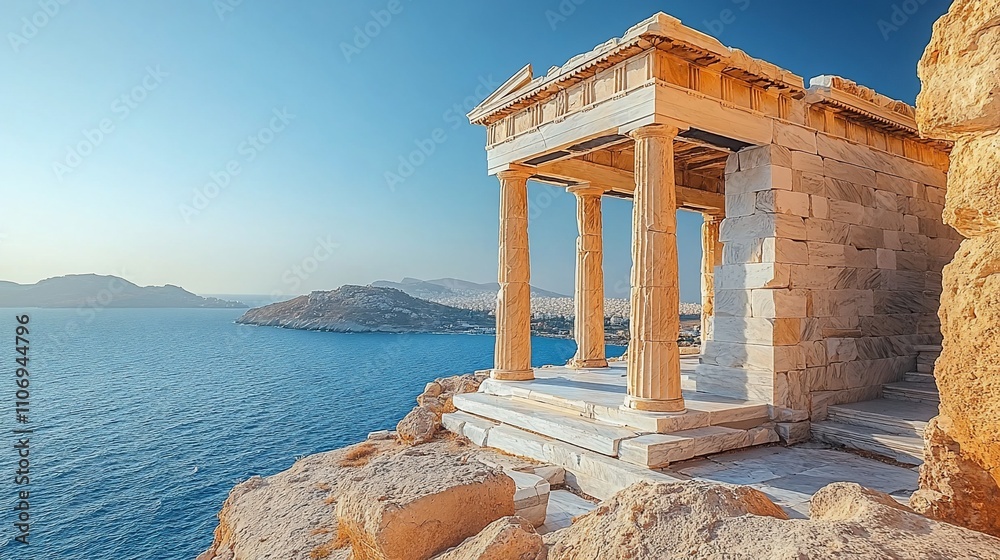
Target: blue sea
{"points": [[144, 419]]}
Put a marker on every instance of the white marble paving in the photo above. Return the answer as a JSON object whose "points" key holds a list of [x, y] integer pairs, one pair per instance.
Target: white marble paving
{"points": [[600, 393], [563, 507]]}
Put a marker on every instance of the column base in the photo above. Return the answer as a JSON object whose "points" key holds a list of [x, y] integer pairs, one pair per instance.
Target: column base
{"points": [[672, 406], [587, 364], [508, 375]]}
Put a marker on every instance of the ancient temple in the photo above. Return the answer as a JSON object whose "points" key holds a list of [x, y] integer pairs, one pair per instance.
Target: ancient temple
{"points": [[823, 246]]}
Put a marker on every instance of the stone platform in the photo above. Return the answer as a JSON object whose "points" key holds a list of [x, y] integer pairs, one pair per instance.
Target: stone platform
{"points": [[574, 418]]}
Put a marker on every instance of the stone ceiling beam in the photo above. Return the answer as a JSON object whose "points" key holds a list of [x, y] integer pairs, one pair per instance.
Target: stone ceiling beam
{"points": [[621, 181]]}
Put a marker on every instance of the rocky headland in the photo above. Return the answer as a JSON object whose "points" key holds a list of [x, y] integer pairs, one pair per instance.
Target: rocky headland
{"points": [[420, 493], [367, 309]]}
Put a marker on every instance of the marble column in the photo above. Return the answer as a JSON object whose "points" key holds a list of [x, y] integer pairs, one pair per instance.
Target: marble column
{"points": [[512, 360], [711, 257], [654, 369], [588, 327]]}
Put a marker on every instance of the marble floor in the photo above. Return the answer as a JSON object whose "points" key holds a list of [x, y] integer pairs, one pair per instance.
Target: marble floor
{"points": [[600, 393], [563, 507]]}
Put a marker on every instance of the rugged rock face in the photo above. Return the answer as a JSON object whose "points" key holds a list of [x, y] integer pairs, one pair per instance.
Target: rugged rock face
{"points": [[366, 309], [960, 92], [702, 520], [960, 101], [424, 420]]}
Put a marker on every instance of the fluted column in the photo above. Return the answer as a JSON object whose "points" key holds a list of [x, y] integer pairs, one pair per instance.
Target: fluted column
{"points": [[654, 369], [711, 256], [512, 359], [588, 327]]}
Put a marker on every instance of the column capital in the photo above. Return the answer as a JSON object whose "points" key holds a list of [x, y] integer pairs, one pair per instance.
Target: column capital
{"points": [[586, 189], [655, 131], [515, 172]]}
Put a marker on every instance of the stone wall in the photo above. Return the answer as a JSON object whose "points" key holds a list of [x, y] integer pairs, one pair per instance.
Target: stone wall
{"points": [[831, 271], [960, 101]]}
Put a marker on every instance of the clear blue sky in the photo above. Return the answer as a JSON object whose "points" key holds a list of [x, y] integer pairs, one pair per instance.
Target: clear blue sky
{"points": [[178, 87]]}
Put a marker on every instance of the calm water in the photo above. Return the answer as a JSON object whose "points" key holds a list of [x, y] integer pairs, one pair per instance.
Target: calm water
{"points": [[144, 419]]}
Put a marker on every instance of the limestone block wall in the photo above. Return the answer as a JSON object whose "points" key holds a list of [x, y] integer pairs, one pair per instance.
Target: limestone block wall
{"points": [[831, 270]]}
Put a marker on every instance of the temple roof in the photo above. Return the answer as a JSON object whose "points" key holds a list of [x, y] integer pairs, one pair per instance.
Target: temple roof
{"points": [[667, 33]]}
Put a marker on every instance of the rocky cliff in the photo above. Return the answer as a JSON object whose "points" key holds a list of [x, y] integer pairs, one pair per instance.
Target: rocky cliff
{"points": [[960, 101], [366, 309], [450, 500]]}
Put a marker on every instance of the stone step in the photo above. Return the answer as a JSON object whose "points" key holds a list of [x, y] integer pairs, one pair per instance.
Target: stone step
{"points": [[890, 416], [908, 391], [925, 367], [546, 420], [917, 377], [592, 473], [597, 400], [928, 348], [531, 496], [659, 450], [902, 448]]}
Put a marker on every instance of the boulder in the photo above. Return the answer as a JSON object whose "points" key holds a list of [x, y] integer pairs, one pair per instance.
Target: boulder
{"points": [[509, 538], [418, 426], [290, 515], [420, 502]]}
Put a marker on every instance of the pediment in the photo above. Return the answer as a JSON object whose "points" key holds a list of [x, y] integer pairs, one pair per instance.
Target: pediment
{"points": [[514, 84]]}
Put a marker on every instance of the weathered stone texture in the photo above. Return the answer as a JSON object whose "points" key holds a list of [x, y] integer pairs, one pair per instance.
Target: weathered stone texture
{"points": [[418, 503], [959, 72], [702, 520], [509, 538], [418, 426], [960, 100], [954, 487]]}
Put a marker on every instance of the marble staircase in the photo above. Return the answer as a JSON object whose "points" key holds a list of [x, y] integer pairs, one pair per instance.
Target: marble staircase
{"points": [[575, 419], [892, 426]]}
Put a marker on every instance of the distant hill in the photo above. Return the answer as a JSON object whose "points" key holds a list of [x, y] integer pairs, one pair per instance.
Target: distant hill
{"points": [[366, 309], [446, 287], [80, 290]]}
